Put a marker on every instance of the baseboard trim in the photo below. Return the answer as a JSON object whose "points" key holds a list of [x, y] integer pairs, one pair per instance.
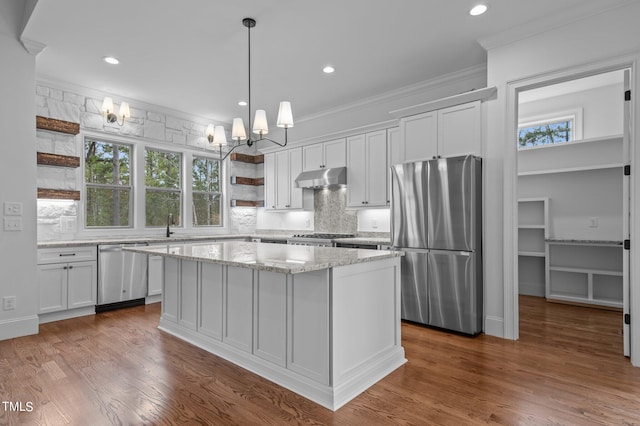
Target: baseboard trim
{"points": [[494, 326], [68, 314], [18, 327]]}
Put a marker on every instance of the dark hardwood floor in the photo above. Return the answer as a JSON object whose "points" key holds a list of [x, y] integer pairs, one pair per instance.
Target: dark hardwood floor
{"points": [[118, 368]]}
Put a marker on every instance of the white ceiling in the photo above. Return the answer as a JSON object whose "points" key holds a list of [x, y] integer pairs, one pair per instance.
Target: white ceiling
{"points": [[191, 55]]}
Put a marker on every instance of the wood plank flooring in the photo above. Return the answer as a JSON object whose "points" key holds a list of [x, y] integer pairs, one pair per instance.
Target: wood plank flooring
{"points": [[118, 368]]}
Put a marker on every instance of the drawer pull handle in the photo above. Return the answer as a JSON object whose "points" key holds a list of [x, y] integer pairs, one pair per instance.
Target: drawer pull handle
{"points": [[67, 254]]}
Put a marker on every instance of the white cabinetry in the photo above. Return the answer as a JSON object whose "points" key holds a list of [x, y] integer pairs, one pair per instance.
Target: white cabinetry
{"points": [[588, 272], [156, 275], [533, 218], [281, 170], [324, 155], [367, 176], [446, 132], [67, 279]]}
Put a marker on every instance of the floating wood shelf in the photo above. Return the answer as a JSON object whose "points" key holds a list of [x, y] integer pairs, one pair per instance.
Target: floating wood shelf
{"points": [[46, 159], [246, 158], [58, 194], [60, 126], [239, 180], [247, 203]]}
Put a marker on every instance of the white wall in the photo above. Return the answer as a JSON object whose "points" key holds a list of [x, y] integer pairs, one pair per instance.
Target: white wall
{"points": [[610, 38], [601, 109], [17, 175]]}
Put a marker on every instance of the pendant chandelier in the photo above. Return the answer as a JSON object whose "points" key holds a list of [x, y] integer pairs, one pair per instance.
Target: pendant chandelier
{"points": [[216, 134]]}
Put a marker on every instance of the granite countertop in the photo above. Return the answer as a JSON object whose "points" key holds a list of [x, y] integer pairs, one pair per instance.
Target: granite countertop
{"points": [[282, 258], [364, 240], [576, 241], [187, 238]]}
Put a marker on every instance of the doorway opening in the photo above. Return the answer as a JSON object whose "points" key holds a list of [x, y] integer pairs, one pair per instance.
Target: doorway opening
{"points": [[573, 204]]}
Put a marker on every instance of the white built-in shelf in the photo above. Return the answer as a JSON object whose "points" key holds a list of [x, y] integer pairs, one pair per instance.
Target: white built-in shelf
{"points": [[585, 272], [531, 253], [581, 155], [572, 169], [531, 226]]}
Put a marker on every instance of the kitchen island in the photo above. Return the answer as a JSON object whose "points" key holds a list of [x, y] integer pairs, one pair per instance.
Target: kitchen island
{"points": [[323, 322]]}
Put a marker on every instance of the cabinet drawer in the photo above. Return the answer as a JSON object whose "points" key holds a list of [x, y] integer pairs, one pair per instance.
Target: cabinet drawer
{"points": [[66, 254]]}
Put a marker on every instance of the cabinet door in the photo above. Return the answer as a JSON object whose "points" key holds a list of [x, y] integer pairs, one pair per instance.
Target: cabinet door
{"points": [[419, 134], [82, 284], [335, 153], [356, 171], [52, 280], [270, 181], [394, 155], [283, 186], [188, 296], [460, 130], [312, 157], [170, 290], [376, 173], [295, 168], [156, 275]]}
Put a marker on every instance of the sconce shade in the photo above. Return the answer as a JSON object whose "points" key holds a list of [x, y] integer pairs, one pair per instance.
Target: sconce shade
{"points": [[285, 116], [260, 126], [219, 136], [237, 132], [107, 105], [124, 110]]}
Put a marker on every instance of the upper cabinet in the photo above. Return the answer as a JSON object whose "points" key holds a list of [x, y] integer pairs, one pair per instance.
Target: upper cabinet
{"points": [[367, 170], [447, 132], [281, 170], [324, 155]]}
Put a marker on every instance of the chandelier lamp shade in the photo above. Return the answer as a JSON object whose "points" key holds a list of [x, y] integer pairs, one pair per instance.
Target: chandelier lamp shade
{"points": [[259, 126], [109, 114]]}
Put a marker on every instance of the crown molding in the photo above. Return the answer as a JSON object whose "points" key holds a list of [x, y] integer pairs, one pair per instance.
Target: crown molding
{"points": [[33, 47], [413, 89], [550, 22]]}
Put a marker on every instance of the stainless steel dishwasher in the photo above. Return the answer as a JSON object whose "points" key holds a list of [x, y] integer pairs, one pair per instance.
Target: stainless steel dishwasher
{"points": [[122, 277]]}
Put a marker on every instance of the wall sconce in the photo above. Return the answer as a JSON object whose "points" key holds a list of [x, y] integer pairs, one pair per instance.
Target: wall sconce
{"points": [[110, 116]]}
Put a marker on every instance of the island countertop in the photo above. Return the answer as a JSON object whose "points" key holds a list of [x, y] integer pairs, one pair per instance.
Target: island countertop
{"points": [[287, 259]]}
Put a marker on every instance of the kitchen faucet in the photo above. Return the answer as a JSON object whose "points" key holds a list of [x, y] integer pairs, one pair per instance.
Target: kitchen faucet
{"points": [[170, 222]]}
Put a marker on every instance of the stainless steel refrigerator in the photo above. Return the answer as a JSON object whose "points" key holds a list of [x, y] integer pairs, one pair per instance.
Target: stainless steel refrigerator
{"points": [[436, 219]]}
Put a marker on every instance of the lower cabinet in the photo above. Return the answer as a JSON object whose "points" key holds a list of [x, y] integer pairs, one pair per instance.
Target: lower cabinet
{"points": [[156, 274], [279, 318], [65, 284]]}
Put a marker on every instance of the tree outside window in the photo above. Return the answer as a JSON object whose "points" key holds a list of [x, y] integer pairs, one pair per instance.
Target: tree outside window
{"points": [[206, 192], [549, 133], [163, 194], [107, 176]]}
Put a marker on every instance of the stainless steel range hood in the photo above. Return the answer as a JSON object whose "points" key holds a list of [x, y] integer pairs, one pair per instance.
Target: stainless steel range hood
{"points": [[323, 178]]}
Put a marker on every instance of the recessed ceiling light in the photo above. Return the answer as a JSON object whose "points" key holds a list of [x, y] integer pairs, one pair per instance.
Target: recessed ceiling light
{"points": [[111, 60], [242, 103], [478, 10], [328, 69]]}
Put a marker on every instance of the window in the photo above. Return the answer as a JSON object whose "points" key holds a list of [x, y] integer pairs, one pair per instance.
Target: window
{"points": [[107, 177], [163, 189], [206, 192], [550, 129]]}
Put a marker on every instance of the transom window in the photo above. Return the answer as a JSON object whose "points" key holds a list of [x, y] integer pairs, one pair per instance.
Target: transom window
{"points": [[206, 192], [550, 129], [163, 187], [107, 177]]}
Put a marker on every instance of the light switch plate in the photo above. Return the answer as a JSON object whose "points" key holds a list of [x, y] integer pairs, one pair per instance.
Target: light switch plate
{"points": [[13, 224], [12, 208]]}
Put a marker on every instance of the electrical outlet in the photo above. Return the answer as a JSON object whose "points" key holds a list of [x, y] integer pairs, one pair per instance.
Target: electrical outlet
{"points": [[12, 208], [374, 224], [8, 303], [307, 223], [593, 222], [13, 224]]}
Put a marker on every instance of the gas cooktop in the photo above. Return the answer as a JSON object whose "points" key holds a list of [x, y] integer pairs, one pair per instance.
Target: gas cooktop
{"points": [[323, 236]]}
